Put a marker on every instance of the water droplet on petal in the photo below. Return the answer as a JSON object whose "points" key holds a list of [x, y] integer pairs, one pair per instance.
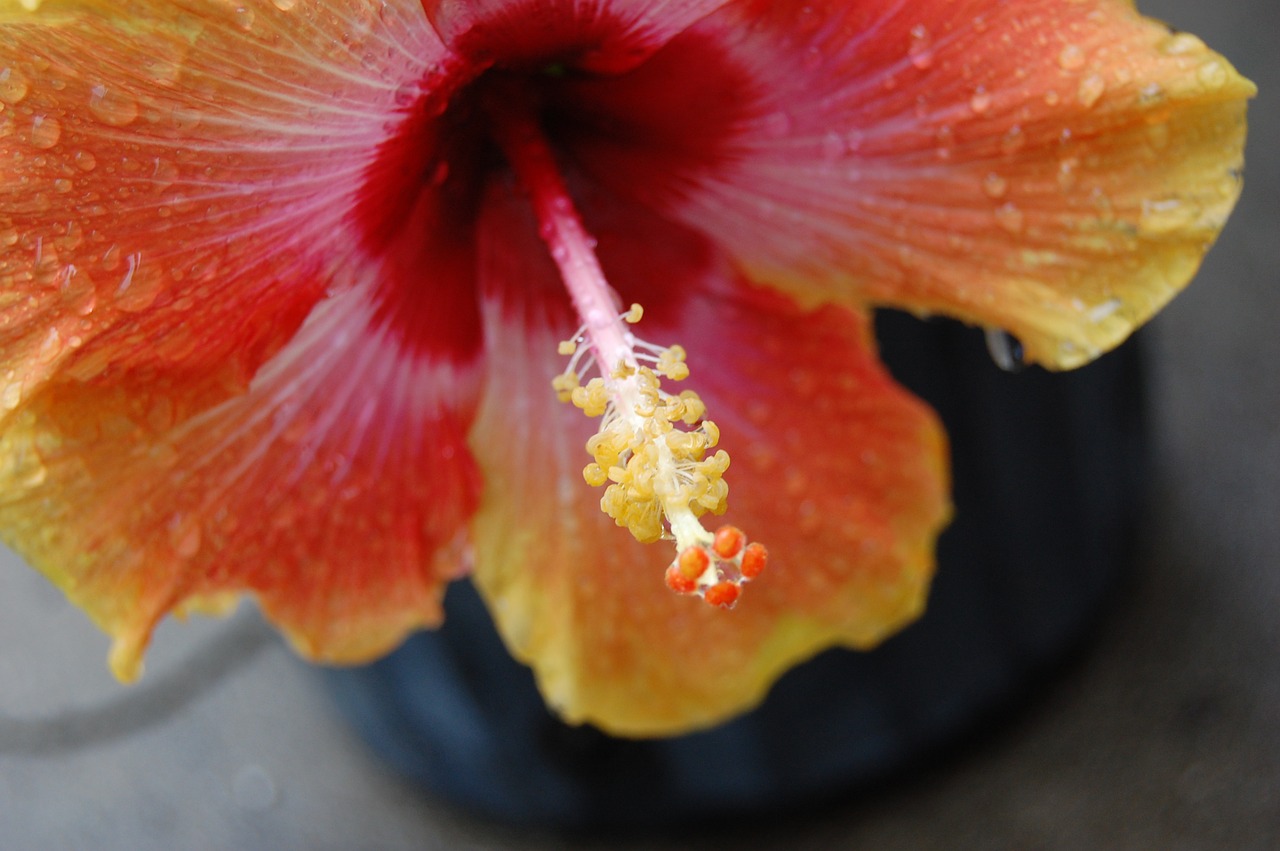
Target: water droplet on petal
{"points": [[1212, 75], [243, 17], [1071, 57], [994, 185], [921, 49], [1091, 89], [1067, 172], [1009, 217], [11, 396], [35, 476], [45, 131], [50, 347], [184, 535], [13, 86], [981, 101], [285, 5], [1005, 349], [1182, 44], [1105, 310], [111, 107], [1167, 215], [1013, 141]]}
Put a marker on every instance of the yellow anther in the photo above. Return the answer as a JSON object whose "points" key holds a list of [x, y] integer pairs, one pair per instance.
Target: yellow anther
{"points": [[650, 455], [564, 384], [567, 347], [634, 314], [671, 363], [712, 431]]}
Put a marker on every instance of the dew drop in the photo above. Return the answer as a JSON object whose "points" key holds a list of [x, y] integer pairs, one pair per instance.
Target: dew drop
{"points": [[1166, 216], [980, 102], [921, 49], [285, 5], [1052, 98], [407, 94], [50, 347], [1067, 172], [13, 86], [1009, 217], [45, 131], [11, 396], [994, 185], [1151, 95], [1182, 44], [63, 185], [85, 161], [35, 476], [1105, 310], [111, 107], [1071, 57], [1013, 141], [1091, 89], [243, 17], [1212, 75], [946, 142], [1006, 350], [184, 535]]}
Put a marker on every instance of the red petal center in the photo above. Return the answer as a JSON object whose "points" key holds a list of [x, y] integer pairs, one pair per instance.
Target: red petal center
{"points": [[645, 133]]}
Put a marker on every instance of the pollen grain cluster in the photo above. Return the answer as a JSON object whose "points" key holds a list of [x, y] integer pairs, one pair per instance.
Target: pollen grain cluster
{"points": [[655, 452]]}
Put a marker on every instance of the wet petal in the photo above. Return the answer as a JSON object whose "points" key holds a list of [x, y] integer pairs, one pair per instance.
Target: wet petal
{"points": [[178, 179], [1056, 169], [335, 491], [837, 469]]}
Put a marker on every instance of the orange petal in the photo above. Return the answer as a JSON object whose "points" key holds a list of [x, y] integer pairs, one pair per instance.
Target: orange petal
{"points": [[171, 167], [335, 491], [835, 468], [1055, 169]]}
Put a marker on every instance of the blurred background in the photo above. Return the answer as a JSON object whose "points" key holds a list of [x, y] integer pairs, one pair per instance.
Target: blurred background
{"points": [[1164, 732]]}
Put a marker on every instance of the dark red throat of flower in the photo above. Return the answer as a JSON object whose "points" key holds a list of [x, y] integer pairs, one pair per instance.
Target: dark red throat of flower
{"points": [[652, 446]]}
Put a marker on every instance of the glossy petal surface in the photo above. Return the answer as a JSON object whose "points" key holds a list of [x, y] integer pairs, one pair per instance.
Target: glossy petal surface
{"points": [[835, 468], [183, 184], [177, 178], [334, 491], [1055, 169]]}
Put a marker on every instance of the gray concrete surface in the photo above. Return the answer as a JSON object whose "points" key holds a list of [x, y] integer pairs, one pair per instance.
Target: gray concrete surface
{"points": [[1165, 735]]}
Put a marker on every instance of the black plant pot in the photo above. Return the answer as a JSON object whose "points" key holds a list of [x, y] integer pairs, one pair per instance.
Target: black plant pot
{"points": [[1048, 472]]}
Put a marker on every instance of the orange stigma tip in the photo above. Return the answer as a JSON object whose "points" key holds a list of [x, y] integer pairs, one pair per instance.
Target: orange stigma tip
{"points": [[728, 542], [692, 562], [723, 594], [754, 559], [678, 582]]}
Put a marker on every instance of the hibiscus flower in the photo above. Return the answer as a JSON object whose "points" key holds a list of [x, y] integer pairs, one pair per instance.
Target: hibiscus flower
{"points": [[287, 285]]}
